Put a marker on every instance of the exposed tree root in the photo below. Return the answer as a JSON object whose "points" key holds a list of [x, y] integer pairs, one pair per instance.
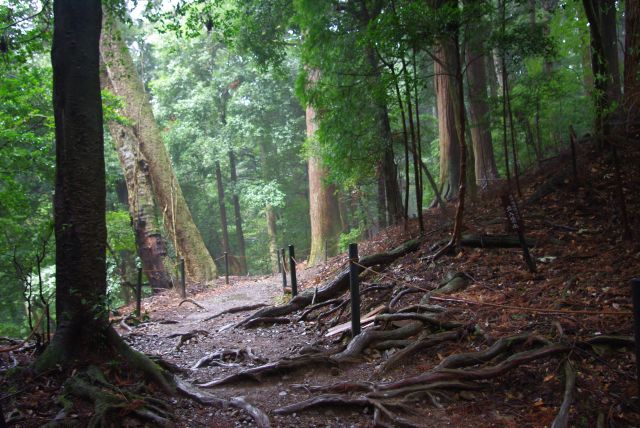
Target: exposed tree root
{"points": [[423, 318], [266, 320], [562, 419], [341, 307], [312, 308], [193, 302], [223, 356], [123, 323], [493, 241], [287, 364], [366, 338], [113, 405], [403, 292], [422, 308], [236, 310], [141, 362], [203, 397], [477, 374], [333, 400], [424, 342], [335, 287], [501, 346], [184, 337], [441, 378]]}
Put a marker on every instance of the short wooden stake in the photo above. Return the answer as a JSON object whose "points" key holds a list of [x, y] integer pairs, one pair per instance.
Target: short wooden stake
{"points": [[635, 292], [284, 271], [183, 280], [226, 268], [355, 290], [139, 293], [292, 269]]}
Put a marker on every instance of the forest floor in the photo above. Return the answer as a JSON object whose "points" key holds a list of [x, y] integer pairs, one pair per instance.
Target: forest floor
{"points": [[559, 320]]}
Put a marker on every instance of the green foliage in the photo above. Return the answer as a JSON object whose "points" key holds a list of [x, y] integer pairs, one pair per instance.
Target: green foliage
{"points": [[350, 237], [119, 232], [26, 161]]}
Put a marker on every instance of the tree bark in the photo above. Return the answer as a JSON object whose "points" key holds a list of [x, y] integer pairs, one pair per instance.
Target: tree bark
{"points": [[80, 192], [242, 257], [444, 67], [382, 203], [223, 209], [177, 217], [323, 203], [146, 228], [270, 213], [417, 158], [631, 100], [485, 164], [389, 169], [604, 60]]}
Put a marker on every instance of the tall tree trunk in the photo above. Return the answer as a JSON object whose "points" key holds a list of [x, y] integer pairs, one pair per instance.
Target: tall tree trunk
{"points": [[444, 67], [414, 147], [177, 217], [382, 203], [492, 75], [604, 60], [270, 213], [389, 169], [147, 230], [272, 232], [485, 162], [323, 203], [223, 209], [631, 100], [242, 259], [80, 191]]}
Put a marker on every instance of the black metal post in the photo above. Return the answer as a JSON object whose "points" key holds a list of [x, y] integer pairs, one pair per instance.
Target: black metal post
{"points": [[226, 268], [355, 289], [284, 271], [278, 258], [292, 268], [139, 293], [183, 280], [635, 291]]}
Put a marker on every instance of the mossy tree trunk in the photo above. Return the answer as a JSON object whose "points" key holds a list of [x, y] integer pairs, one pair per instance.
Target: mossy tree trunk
{"points": [[146, 227], [177, 217]]}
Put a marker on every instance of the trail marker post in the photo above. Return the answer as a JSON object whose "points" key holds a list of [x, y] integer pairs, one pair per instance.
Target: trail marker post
{"points": [[284, 270], [139, 293], [183, 280], [292, 268], [355, 290], [226, 268]]}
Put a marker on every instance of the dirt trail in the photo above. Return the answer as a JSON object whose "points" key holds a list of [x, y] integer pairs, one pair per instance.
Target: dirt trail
{"points": [[184, 334]]}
